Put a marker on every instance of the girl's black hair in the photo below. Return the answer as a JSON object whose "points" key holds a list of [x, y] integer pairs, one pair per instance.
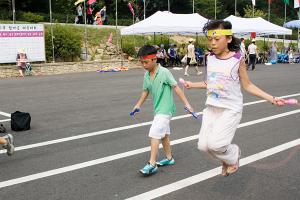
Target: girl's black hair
{"points": [[234, 45], [147, 50]]}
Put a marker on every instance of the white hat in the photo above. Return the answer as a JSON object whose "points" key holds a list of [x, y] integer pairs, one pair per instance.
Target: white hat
{"points": [[191, 40], [253, 40]]}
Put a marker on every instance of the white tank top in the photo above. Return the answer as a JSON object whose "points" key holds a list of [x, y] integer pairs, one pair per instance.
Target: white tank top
{"points": [[223, 83]]}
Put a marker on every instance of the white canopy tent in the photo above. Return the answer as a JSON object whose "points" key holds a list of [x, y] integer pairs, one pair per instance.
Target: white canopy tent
{"points": [[259, 25], [167, 23]]}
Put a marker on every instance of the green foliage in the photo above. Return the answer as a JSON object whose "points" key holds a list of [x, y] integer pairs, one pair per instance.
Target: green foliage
{"points": [[247, 43], [5, 14], [162, 39], [293, 46], [129, 49], [206, 8], [201, 42], [257, 13], [121, 22], [67, 43], [131, 43], [32, 17], [262, 46], [5, 3]]}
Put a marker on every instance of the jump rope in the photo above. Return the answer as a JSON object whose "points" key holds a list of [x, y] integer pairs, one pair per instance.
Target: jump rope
{"points": [[281, 103], [196, 116]]}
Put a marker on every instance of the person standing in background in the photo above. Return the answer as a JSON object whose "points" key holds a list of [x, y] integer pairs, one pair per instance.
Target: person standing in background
{"points": [[252, 50], [191, 57], [79, 14], [274, 52], [89, 14], [243, 48], [21, 61]]}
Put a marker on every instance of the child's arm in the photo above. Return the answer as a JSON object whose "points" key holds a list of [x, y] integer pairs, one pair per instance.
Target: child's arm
{"points": [[200, 85], [253, 89], [181, 95], [143, 97]]}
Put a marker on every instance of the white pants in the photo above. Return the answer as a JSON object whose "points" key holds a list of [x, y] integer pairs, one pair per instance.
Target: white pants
{"points": [[217, 131], [160, 126]]}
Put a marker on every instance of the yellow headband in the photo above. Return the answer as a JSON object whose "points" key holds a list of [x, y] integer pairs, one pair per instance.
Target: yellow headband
{"points": [[219, 32]]}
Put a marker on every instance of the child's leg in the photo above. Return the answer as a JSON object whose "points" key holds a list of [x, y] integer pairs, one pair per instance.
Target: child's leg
{"points": [[167, 146], [219, 141], [21, 72], [188, 60], [8, 144], [154, 151], [186, 70], [160, 129], [2, 141], [253, 62], [198, 71], [206, 128]]}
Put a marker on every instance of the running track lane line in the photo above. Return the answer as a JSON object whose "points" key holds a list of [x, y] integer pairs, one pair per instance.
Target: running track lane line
{"points": [[5, 114], [158, 192], [4, 120], [126, 154], [56, 141]]}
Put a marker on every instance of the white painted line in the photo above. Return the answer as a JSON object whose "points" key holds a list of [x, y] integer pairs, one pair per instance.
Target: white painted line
{"points": [[5, 114], [120, 155], [66, 139], [158, 192], [4, 120]]}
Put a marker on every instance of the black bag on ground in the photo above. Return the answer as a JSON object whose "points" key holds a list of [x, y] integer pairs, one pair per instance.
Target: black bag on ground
{"points": [[20, 121]]}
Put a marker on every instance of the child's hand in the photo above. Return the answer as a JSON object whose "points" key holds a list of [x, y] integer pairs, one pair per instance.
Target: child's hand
{"points": [[189, 107], [188, 84], [134, 111], [278, 101]]}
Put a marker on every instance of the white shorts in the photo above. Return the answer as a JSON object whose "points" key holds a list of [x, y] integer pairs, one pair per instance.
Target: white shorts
{"points": [[160, 126]]}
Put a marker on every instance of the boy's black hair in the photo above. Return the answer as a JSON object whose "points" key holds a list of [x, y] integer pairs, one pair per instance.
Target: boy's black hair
{"points": [[234, 45], [147, 50]]}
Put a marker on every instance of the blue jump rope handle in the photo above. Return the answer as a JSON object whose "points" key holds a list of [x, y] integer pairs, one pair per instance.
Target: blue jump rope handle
{"points": [[134, 111], [192, 113]]}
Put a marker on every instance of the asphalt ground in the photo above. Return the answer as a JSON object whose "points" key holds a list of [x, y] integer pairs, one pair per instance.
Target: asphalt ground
{"points": [[83, 144]]}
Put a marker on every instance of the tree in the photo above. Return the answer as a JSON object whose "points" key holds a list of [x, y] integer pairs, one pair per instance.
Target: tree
{"points": [[5, 3], [257, 13], [63, 6], [209, 11]]}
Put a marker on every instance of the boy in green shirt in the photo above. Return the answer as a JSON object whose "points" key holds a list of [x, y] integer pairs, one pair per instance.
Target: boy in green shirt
{"points": [[159, 82]]}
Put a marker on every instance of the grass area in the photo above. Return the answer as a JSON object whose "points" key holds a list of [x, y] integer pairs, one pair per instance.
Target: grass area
{"points": [[130, 44], [11, 22]]}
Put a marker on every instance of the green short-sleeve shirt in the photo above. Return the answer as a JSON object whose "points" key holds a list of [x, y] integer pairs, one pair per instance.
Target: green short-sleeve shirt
{"points": [[160, 89]]}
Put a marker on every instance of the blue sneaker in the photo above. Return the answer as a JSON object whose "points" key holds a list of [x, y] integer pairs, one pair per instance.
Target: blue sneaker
{"points": [[149, 169], [165, 162]]}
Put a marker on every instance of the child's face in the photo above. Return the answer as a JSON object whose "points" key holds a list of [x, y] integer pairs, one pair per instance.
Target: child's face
{"points": [[148, 64], [219, 43]]}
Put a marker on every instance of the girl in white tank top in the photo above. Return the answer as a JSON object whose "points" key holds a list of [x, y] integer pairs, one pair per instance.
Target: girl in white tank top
{"points": [[226, 74]]}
